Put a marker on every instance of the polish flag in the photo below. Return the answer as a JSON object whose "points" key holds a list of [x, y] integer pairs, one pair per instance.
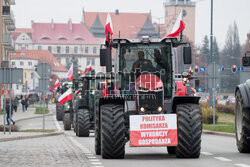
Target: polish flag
{"points": [[57, 84], [78, 92], [108, 29], [70, 73], [89, 68], [178, 27], [66, 96]]}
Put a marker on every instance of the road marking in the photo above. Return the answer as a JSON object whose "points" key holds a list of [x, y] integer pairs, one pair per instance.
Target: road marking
{"points": [[85, 151], [57, 124], [94, 160], [242, 165], [93, 157], [89, 154], [96, 163], [206, 153], [223, 159]]}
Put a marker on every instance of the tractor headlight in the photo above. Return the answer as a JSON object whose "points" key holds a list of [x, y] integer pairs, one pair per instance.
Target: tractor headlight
{"points": [[142, 109], [79, 97], [159, 109]]}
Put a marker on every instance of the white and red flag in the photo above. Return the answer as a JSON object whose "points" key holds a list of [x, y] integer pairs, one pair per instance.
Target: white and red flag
{"points": [[57, 84], [89, 68], [178, 27], [78, 92], [108, 29], [70, 73], [66, 96]]}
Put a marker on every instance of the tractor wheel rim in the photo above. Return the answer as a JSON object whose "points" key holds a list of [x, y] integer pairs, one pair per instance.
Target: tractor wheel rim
{"points": [[239, 118]]}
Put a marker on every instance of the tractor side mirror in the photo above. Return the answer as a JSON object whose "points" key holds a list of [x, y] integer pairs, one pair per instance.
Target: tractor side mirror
{"points": [[103, 53], [187, 55]]}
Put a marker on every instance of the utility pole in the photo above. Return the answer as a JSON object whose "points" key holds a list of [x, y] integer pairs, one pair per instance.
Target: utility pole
{"points": [[212, 92]]}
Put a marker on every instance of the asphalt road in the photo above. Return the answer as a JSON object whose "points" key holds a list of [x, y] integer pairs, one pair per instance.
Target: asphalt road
{"points": [[217, 151]]}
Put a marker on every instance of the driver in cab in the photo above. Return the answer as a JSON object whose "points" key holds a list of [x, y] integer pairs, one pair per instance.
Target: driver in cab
{"points": [[142, 63]]}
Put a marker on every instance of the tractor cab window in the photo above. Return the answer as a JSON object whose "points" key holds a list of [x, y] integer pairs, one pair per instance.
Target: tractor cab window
{"points": [[138, 60]]}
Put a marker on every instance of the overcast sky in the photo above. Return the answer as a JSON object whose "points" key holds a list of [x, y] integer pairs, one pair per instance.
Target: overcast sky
{"points": [[225, 13]]}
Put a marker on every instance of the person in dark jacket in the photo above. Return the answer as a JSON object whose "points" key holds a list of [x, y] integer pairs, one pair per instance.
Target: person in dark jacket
{"points": [[9, 110], [15, 104], [26, 103], [23, 104]]}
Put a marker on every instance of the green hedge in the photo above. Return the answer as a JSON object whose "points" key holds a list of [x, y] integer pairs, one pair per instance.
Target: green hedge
{"points": [[207, 115]]}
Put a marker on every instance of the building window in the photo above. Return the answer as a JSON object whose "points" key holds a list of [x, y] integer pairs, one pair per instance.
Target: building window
{"points": [[94, 50], [67, 60], [30, 63], [59, 59], [75, 49], [17, 87], [50, 49], [21, 63], [31, 75], [13, 63], [25, 75], [58, 48], [86, 49], [90, 61], [39, 47], [67, 49]]}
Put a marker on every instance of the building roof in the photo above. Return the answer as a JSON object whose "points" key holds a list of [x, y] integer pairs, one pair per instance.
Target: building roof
{"points": [[97, 29], [125, 24], [19, 31], [43, 56], [148, 29], [61, 33]]}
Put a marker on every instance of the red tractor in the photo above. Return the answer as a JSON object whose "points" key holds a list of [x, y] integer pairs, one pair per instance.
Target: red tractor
{"points": [[138, 102]]}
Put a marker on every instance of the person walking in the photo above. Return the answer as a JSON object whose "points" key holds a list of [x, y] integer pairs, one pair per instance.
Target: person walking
{"points": [[26, 103], [15, 104], [9, 110], [23, 104]]}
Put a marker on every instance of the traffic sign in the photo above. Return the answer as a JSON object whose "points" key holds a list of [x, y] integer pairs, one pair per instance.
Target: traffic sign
{"points": [[222, 68], [44, 70], [15, 73], [199, 89], [202, 69], [240, 68]]}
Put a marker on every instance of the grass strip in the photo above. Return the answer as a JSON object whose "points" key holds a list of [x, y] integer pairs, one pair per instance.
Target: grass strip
{"points": [[39, 110], [38, 130]]}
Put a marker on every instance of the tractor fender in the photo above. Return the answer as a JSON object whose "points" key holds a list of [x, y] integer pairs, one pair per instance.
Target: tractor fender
{"points": [[245, 93], [183, 100], [110, 100], [82, 103]]}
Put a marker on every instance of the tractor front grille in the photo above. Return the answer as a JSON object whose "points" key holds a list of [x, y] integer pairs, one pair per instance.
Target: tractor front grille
{"points": [[150, 100]]}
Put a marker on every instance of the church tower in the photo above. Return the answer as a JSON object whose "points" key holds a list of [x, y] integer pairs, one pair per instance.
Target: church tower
{"points": [[172, 10]]}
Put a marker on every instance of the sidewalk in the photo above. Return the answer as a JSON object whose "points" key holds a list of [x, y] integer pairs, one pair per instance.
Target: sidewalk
{"points": [[21, 116]]}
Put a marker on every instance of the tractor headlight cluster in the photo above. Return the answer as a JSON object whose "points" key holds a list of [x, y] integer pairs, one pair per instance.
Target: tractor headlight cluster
{"points": [[159, 109], [142, 109]]}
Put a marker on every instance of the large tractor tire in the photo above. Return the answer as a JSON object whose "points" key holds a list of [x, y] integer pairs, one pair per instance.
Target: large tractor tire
{"points": [[242, 125], [112, 131], [83, 123], [189, 127], [59, 113], [67, 121], [97, 125]]}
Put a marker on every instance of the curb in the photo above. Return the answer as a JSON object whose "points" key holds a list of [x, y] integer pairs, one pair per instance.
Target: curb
{"points": [[31, 137], [38, 116], [218, 133]]}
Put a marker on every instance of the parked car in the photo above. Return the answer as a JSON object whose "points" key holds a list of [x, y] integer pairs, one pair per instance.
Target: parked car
{"points": [[230, 100], [33, 98]]}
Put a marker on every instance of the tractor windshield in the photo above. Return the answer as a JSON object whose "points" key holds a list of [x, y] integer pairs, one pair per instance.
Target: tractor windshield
{"points": [[153, 59]]}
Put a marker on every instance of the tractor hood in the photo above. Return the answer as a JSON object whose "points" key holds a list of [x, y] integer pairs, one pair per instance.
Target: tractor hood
{"points": [[149, 82]]}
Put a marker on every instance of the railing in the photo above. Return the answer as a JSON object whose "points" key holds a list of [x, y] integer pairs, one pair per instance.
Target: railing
{"points": [[8, 17], [8, 41]]}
